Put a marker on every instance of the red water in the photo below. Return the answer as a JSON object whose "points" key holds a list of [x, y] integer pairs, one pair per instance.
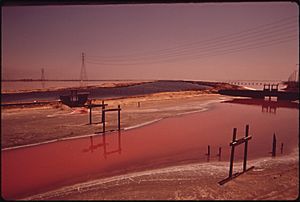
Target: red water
{"points": [[33, 170]]}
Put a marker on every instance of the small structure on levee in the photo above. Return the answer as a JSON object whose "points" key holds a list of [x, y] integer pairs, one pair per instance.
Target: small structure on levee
{"points": [[75, 99]]}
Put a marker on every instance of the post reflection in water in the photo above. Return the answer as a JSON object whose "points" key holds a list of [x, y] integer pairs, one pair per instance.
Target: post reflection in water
{"points": [[267, 106], [104, 144]]}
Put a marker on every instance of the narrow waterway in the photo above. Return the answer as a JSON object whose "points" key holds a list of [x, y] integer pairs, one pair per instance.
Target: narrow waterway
{"points": [[172, 141]]}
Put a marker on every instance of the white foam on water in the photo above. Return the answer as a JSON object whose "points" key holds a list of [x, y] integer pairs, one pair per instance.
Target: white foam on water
{"points": [[143, 124], [47, 142], [191, 112]]}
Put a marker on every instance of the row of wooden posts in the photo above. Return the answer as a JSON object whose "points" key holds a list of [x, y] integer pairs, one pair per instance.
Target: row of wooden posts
{"points": [[273, 152], [104, 111], [235, 142], [274, 146]]}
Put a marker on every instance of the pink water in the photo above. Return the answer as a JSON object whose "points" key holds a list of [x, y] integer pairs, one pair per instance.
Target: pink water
{"points": [[178, 140]]}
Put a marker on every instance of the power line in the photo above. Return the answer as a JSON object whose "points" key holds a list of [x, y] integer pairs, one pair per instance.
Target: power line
{"points": [[212, 48], [283, 23], [231, 42], [199, 57]]}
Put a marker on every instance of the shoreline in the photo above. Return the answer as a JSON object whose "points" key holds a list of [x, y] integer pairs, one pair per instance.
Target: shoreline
{"points": [[102, 84], [176, 127], [111, 90], [154, 107], [95, 189], [89, 158], [131, 127]]}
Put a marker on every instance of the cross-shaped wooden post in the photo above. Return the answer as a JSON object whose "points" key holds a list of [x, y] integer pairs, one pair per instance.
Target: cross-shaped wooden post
{"points": [[235, 142]]}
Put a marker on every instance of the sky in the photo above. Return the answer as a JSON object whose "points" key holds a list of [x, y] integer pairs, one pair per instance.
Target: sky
{"points": [[189, 41]]}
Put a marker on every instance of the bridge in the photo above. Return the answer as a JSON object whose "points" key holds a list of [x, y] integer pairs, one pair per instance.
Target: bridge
{"points": [[253, 82]]}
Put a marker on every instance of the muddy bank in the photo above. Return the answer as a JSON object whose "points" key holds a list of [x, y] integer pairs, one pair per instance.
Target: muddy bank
{"points": [[271, 179]]}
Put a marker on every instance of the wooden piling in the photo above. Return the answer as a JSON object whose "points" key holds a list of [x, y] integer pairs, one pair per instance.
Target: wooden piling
{"points": [[219, 154], [90, 107], [232, 153], [246, 148], [220, 150], [235, 142], [103, 121], [103, 108], [119, 117], [274, 146], [208, 150]]}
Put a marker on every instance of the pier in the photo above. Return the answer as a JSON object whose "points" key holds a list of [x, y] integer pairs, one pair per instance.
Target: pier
{"points": [[269, 91]]}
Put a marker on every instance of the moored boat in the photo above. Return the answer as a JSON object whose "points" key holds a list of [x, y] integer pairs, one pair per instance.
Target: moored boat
{"points": [[75, 99]]}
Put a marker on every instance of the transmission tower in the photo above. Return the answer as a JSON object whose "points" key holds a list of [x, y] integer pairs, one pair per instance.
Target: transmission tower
{"points": [[294, 76], [43, 74], [83, 76], [43, 77]]}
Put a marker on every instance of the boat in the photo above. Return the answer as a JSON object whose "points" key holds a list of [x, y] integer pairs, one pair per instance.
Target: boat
{"points": [[75, 99]]}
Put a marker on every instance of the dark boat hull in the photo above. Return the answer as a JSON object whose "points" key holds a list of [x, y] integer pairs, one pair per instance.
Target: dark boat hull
{"points": [[72, 101]]}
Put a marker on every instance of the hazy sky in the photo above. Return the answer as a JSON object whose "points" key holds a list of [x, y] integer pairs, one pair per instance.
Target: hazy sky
{"points": [[207, 41]]}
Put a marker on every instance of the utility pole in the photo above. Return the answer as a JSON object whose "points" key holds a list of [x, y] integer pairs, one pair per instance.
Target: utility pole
{"points": [[83, 76]]}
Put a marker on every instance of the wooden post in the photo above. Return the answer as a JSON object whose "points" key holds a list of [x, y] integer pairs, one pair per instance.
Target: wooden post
{"points": [[274, 146], [235, 142], [281, 149], [90, 107], [220, 150], [219, 154], [232, 153], [119, 118], [103, 120], [103, 108], [246, 149], [208, 150]]}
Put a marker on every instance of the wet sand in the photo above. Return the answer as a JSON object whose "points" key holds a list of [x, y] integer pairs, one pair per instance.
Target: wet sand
{"points": [[174, 141], [271, 179]]}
